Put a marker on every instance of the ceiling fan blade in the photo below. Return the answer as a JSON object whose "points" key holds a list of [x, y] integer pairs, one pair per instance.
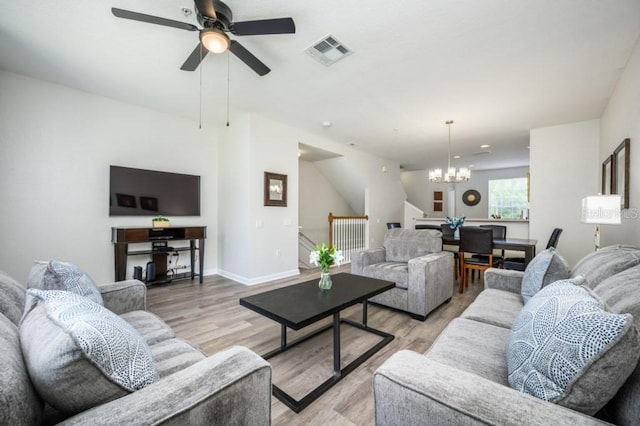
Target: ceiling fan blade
{"points": [[195, 58], [264, 26], [247, 57], [206, 8], [135, 16]]}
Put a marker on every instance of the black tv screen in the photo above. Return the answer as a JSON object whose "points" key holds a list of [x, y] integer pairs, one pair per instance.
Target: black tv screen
{"points": [[138, 192]]}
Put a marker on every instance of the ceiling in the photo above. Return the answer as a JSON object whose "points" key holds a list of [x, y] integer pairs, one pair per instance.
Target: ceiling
{"points": [[498, 68]]}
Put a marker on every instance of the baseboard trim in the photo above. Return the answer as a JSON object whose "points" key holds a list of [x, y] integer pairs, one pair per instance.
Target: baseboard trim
{"points": [[258, 280]]}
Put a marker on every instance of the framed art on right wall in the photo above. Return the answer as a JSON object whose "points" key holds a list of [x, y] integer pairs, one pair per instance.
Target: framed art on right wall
{"points": [[620, 172], [607, 176]]}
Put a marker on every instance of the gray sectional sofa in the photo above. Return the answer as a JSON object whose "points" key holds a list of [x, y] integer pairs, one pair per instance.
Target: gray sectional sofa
{"points": [[464, 378], [230, 387], [414, 260]]}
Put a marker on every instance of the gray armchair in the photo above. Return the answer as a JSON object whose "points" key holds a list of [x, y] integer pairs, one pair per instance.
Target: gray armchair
{"points": [[414, 260]]}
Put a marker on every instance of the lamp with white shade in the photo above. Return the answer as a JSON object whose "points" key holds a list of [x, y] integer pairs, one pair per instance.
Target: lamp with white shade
{"points": [[601, 210]]}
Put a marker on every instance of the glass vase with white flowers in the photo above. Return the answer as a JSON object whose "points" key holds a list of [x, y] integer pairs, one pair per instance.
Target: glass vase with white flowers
{"points": [[325, 256]]}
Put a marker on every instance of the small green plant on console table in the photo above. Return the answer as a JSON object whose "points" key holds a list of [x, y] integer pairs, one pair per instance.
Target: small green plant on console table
{"points": [[160, 222]]}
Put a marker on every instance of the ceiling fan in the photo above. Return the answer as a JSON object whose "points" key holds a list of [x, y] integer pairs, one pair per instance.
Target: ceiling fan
{"points": [[216, 20]]}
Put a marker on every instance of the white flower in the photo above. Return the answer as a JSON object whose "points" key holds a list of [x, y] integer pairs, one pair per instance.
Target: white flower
{"points": [[313, 258], [338, 257]]}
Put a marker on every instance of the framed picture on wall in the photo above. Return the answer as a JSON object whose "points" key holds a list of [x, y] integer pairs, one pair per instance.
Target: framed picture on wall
{"points": [[275, 189], [620, 172], [607, 176]]}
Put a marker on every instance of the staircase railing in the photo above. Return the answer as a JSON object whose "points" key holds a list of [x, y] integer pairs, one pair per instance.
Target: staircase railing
{"points": [[348, 233]]}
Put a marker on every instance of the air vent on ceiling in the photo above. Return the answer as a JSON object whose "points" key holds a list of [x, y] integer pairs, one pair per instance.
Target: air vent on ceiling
{"points": [[482, 152], [328, 50]]}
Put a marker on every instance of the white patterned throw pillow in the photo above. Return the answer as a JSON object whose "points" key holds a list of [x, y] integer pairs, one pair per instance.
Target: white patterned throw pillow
{"points": [[565, 348], [79, 354], [57, 275]]}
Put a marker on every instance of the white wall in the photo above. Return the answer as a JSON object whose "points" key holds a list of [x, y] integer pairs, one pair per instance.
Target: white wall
{"points": [[56, 145], [420, 191], [318, 198], [480, 182], [234, 224], [621, 120], [274, 248], [564, 169], [382, 193], [257, 243]]}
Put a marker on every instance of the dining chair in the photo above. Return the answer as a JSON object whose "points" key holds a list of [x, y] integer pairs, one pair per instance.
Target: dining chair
{"points": [[517, 263], [499, 233], [475, 240]]}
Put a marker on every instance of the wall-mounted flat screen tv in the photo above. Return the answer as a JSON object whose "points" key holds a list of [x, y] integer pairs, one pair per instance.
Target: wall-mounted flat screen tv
{"points": [[139, 192]]}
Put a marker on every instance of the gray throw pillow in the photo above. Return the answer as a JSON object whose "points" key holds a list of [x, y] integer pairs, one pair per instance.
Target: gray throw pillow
{"points": [[56, 275], [547, 267], [566, 349], [79, 354], [599, 265], [12, 295]]}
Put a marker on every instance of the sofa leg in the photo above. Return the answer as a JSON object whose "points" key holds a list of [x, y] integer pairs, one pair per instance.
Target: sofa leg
{"points": [[419, 317]]}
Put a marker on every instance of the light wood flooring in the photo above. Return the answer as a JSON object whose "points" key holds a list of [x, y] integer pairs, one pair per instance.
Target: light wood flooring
{"points": [[210, 316]]}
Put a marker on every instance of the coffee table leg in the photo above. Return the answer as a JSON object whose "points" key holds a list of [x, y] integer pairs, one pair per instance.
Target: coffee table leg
{"points": [[364, 312], [336, 344], [283, 337]]}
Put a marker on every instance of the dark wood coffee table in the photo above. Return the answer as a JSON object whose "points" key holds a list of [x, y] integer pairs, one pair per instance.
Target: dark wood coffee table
{"points": [[303, 304]]}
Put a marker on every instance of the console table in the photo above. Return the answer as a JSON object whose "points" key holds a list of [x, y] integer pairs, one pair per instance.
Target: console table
{"points": [[123, 236]]}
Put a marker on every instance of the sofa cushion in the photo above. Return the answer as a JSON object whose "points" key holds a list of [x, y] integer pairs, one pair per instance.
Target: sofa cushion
{"points": [[621, 294], [19, 402], [606, 262], [496, 307], [397, 272], [474, 347], [565, 348], [547, 267], [56, 275], [78, 353], [150, 326], [12, 295], [402, 245], [173, 355]]}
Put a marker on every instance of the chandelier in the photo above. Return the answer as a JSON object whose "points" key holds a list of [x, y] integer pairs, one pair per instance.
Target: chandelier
{"points": [[452, 175]]}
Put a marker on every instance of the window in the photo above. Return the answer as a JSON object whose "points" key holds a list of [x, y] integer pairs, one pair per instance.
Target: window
{"points": [[508, 197]]}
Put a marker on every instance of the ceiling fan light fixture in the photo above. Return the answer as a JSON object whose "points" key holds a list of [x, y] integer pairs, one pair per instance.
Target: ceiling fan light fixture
{"points": [[214, 40]]}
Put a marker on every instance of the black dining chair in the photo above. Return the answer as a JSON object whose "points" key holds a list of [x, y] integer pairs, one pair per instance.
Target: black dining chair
{"points": [[517, 263], [475, 240], [499, 233], [391, 225]]}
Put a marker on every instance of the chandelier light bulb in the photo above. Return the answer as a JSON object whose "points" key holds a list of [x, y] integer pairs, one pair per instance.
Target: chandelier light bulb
{"points": [[452, 175]]}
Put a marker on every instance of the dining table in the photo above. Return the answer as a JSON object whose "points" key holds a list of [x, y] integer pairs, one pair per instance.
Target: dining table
{"points": [[516, 244]]}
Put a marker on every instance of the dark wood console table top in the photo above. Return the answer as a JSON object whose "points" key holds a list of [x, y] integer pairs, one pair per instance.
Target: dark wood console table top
{"points": [[299, 305], [125, 235]]}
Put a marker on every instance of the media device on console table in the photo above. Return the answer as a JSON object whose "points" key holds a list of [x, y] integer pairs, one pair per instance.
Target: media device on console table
{"points": [[159, 239]]}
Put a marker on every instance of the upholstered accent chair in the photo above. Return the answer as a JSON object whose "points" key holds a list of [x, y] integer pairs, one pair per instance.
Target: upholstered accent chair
{"points": [[414, 260]]}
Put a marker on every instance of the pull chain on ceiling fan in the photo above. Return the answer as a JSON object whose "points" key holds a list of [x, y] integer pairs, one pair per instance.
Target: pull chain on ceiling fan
{"points": [[216, 20]]}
